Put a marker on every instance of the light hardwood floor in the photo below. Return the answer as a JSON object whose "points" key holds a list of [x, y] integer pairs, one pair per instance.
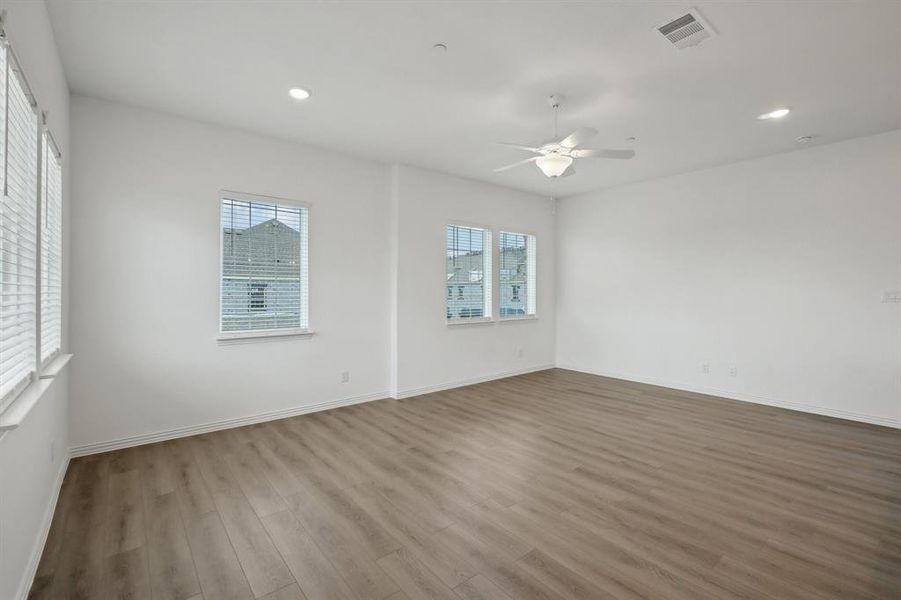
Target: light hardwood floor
{"points": [[550, 485]]}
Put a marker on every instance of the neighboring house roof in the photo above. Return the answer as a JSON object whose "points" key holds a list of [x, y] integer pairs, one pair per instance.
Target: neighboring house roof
{"points": [[459, 268], [269, 250]]}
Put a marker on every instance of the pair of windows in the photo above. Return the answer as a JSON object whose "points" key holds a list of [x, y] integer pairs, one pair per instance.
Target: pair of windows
{"points": [[30, 236], [469, 273], [264, 284]]}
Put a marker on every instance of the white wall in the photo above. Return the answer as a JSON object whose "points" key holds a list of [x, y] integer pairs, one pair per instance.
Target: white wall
{"points": [[776, 266], [145, 278], [33, 458], [29, 471], [145, 275], [431, 354]]}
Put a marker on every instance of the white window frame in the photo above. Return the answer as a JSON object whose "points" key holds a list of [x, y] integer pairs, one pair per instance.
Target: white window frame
{"points": [[48, 147], [488, 268], [531, 276], [14, 69], [263, 334]]}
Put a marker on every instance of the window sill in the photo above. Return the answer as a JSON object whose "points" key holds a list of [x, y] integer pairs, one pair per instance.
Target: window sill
{"points": [[238, 337], [470, 321], [55, 366], [518, 318], [15, 413]]}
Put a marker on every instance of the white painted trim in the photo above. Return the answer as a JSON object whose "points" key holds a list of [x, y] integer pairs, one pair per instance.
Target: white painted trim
{"points": [[468, 321], [517, 318], [464, 382], [35, 559], [742, 397], [16, 413], [159, 436], [235, 195], [55, 366], [262, 334]]}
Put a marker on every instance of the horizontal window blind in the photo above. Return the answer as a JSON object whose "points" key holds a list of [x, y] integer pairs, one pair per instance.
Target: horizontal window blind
{"points": [[264, 284], [517, 262], [18, 236], [51, 251], [468, 267]]}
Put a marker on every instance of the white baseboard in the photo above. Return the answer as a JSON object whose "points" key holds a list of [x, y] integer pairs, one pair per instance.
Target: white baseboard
{"points": [[754, 399], [159, 436], [32, 568], [464, 382]]}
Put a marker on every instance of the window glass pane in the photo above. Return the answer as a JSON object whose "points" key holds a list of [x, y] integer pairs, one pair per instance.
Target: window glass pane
{"points": [[264, 266], [468, 259], [517, 274]]}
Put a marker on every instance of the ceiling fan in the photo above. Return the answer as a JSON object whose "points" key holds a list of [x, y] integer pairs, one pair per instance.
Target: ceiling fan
{"points": [[555, 159]]}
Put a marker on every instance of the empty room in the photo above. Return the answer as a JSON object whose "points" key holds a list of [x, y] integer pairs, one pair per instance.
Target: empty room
{"points": [[450, 300]]}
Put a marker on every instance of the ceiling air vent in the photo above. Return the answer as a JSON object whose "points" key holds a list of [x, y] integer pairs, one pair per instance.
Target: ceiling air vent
{"points": [[688, 30]]}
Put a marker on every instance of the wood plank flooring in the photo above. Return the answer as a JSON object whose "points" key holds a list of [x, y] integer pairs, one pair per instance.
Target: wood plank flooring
{"points": [[555, 484]]}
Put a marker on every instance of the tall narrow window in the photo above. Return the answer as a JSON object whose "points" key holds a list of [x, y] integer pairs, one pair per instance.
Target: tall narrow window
{"points": [[51, 250], [18, 234], [468, 259], [264, 285], [517, 278]]}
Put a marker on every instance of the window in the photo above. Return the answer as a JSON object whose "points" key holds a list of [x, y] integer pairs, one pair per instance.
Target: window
{"points": [[468, 258], [18, 232], [517, 274], [51, 250], [264, 286]]}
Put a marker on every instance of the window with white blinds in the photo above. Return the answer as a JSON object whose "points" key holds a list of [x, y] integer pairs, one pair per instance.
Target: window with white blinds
{"points": [[264, 280], [468, 269], [51, 250], [518, 283], [18, 234]]}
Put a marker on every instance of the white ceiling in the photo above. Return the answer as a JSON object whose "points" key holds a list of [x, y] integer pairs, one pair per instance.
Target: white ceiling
{"points": [[379, 90]]}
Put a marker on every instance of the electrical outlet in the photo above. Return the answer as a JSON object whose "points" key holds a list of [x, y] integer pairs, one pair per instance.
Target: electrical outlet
{"points": [[345, 376], [733, 371], [705, 368]]}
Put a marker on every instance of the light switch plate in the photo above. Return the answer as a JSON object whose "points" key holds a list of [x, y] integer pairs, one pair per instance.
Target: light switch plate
{"points": [[891, 296]]}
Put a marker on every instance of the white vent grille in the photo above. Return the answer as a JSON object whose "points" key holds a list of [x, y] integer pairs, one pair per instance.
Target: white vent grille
{"points": [[688, 30]]}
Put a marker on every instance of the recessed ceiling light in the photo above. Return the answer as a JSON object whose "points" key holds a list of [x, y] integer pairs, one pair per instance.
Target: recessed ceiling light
{"points": [[775, 114], [439, 47], [299, 93], [804, 139]]}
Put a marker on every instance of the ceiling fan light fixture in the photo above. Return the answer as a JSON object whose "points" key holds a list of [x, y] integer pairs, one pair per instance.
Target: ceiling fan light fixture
{"points": [[553, 164]]}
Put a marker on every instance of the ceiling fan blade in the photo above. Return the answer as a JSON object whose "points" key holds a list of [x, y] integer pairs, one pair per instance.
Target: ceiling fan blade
{"points": [[521, 147], [516, 164], [579, 136], [602, 153]]}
